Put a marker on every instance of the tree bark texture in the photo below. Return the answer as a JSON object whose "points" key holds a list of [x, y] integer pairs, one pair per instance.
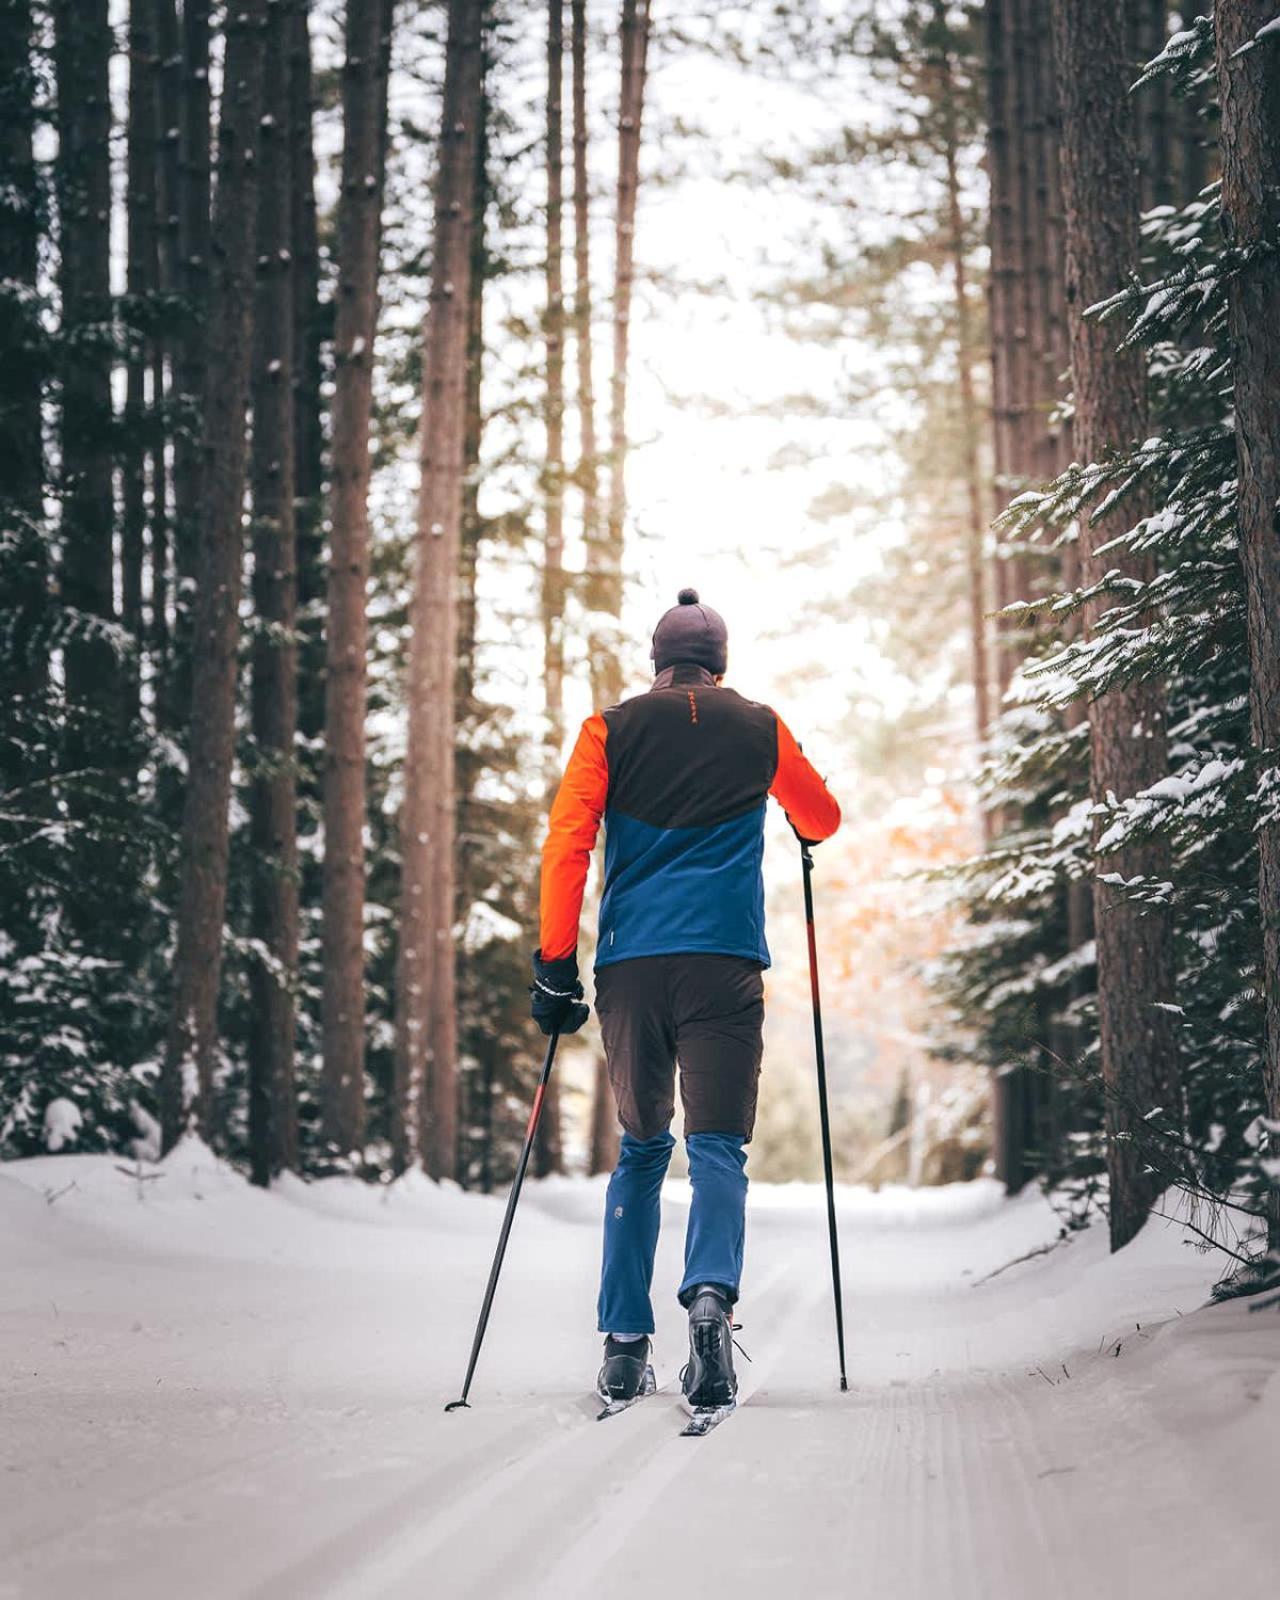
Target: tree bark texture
{"points": [[425, 1090], [142, 280], [192, 342], [364, 94], [605, 557], [1151, 29], [1249, 86], [588, 473], [82, 51], [588, 470], [547, 1151], [553, 555], [21, 370], [1126, 727], [191, 1046], [359, 237], [604, 587], [1002, 297], [166, 121], [273, 801], [308, 406]]}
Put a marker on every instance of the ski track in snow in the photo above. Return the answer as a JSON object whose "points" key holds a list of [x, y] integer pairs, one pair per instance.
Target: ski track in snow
{"points": [[212, 1391]]}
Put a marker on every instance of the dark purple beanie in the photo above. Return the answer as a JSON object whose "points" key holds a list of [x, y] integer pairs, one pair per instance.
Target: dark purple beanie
{"points": [[691, 632]]}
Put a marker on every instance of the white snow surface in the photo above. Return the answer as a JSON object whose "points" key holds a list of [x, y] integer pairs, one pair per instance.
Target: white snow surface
{"points": [[214, 1391]]}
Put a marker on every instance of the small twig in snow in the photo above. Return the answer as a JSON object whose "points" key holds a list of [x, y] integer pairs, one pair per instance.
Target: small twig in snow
{"points": [[1041, 1250]]}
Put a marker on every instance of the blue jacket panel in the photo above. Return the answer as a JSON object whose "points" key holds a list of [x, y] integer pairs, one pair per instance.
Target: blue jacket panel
{"points": [[674, 889]]}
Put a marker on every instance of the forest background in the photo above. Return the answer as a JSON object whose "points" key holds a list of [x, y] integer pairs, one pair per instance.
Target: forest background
{"points": [[843, 350]]}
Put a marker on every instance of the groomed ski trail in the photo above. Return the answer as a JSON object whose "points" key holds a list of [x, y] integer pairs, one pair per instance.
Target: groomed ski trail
{"points": [[262, 1414]]}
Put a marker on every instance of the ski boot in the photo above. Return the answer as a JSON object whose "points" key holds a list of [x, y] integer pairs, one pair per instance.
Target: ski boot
{"points": [[709, 1381], [626, 1374]]}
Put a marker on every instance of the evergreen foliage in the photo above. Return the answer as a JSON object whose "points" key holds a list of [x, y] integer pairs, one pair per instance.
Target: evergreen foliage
{"points": [[1185, 630]]}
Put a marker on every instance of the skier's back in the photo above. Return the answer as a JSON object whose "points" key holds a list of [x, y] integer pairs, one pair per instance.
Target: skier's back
{"points": [[681, 777]]}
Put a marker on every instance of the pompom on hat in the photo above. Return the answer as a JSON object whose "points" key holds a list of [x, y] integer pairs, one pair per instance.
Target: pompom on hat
{"points": [[691, 632]]}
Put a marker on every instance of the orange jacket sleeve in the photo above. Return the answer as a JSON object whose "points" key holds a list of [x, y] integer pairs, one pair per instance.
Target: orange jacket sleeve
{"points": [[571, 836], [810, 806]]}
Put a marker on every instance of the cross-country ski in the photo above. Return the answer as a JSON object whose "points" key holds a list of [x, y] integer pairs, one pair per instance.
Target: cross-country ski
{"points": [[705, 1418]]}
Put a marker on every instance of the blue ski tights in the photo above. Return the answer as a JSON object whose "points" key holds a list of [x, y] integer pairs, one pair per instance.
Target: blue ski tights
{"points": [[714, 1239]]}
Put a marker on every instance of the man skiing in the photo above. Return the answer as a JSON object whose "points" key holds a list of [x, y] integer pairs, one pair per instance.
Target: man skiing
{"points": [[681, 776]]}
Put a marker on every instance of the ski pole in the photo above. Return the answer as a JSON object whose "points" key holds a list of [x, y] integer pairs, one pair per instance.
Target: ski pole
{"points": [[516, 1184], [806, 857]]}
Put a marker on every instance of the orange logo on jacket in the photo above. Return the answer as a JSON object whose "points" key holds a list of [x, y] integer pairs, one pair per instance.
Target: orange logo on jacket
{"points": [[693, 705]]}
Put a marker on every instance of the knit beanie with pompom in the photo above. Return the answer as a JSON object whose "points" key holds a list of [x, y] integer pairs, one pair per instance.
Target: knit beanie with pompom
{"points": [[693, 633]]}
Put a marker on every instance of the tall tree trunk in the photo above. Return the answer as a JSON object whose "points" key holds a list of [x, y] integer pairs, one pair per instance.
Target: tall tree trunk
{"points": [[604, 586], [1249, 86], [191, 1047], [82, 51], [605, 560], [141, 282], [548, 1156], [553, 555], [1023, 398], [364, 86], [471, 531], [273, 804], [469, 848], [999, 18], [192, 344], [307, 374], [1002, 294], [167, 109], [603, 1141], [1151, 29], [425, 1091], [1126, 726], [588, 473], [21, 370]]}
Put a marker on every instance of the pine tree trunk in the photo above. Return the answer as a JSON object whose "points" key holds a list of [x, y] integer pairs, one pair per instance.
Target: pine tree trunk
{"points": [[588, 473], [82, 51], [21, 446], [1000, 170], [553, 560], [605, 561], [307, 373], [1048, 334], [475, 1092], [588, 470], [1155, 156], [605, 555], [364, 85], [191, 1047], [1249, 86], [192, 343], [141, 283], [273, 804], [1126, 726], [425, 1091], [548, 1152], [166, 109], [465, 707], [1021, 131]]}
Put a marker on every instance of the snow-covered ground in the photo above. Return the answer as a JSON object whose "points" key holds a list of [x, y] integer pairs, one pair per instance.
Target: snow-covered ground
{"points": [[212, 1391]]}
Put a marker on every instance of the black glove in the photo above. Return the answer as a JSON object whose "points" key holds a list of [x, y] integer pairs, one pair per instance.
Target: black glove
{"points": [[809, 844], [557, 1005]]}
